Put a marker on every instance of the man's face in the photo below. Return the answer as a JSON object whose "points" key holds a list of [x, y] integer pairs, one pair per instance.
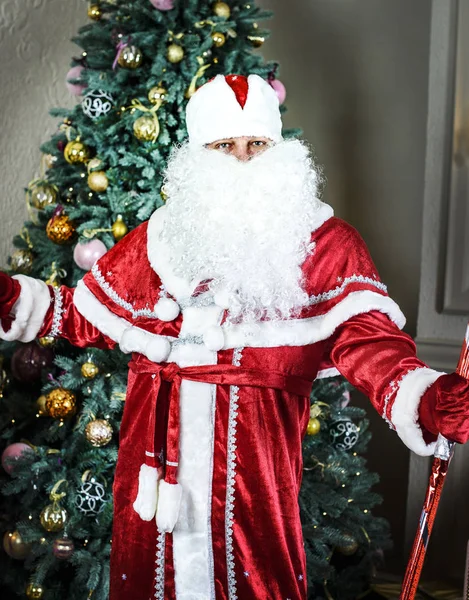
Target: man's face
{"points": [[243, 148]]}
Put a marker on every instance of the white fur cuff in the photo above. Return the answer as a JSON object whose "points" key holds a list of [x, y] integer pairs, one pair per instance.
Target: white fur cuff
{"points": [[29, 310], [169, 504], [147, 496], [405, 410]]}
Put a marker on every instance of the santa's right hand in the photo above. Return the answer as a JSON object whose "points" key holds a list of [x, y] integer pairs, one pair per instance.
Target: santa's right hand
{"points": [[9, 293]]}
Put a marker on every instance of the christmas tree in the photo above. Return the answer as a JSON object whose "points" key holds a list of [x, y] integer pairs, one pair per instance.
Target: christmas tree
{"points": [[61, 406]]}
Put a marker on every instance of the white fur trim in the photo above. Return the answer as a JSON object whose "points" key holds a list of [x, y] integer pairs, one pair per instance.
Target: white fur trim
{"points": [[169, 505], [330, 372], [302, 332], [131, 339], [221, 299], [147, 496], [213, 113], [214, 338], [160, 260], [166, 309], [29, 310], [404, 413]]}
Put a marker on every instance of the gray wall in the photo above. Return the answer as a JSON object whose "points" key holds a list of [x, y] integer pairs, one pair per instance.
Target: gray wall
{"points": [[356, 74]]}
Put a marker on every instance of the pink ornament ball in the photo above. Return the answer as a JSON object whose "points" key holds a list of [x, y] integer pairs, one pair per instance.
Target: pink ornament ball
{"points": [[163, 4], [85, 255], [280, 90], [76, 89], [13, 452]]}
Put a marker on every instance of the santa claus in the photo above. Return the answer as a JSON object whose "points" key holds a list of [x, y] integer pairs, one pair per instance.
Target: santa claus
{"points": [[232, 299]]}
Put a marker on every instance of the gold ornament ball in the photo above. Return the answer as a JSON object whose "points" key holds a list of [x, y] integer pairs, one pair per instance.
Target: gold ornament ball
{"points": [[163, 194], [256, 40], [98, 181], [314, 427], [41, 406], [157, 94], [94, 164], [60, 403], [60, 229], [119, 228], [34, 591], [130, 57], [221, 9], [98, 432], [47, 341], [146, 129], [49, 160], [21, 261], [94, 12], [218, 38], [63, 548], [89, 370], [76, 152], [175, 53], [14, 545], [42, 195], [349, 547], [53, 517]]}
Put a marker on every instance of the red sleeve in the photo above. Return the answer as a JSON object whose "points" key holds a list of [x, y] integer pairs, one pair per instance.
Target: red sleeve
{"points": [[380, 360], [63, 320]]}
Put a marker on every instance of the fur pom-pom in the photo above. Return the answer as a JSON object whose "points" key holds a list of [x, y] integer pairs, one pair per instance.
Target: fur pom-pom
{"points": [[214, 338], [169, 504], [147, 496], [158, 349], [166, 309], [155, 347]]}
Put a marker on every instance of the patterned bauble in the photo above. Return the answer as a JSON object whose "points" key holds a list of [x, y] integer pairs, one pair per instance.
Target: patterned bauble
{"points": [[14, 452], [94, 12], [256, 40], [75, 152], [343, 433], [60, 229], [60, 403], [119, 228], [28, 360], [98, 432], [63, 548], [90, 497], [218, 39], [34, 591], [42, 194], [146, 129], [314, 427], [175, 53], [41, 406], [98, 181], [130, 57], [221, 9], [97, 103], [89, 370], [14, 546], [21, 261], [53, 517], [157, 94], [349, 546], [47, 341]]}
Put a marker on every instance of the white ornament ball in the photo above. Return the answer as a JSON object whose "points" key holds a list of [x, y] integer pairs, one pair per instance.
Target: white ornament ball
{"points": [[90, 498], [97, 103], [85, 255]]}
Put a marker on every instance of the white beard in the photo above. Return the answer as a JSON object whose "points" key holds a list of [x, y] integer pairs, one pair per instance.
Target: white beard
{"points": [[246, 226]]}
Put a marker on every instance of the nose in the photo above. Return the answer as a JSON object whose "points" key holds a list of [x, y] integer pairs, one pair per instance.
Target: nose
{"points": [[241, 153]]}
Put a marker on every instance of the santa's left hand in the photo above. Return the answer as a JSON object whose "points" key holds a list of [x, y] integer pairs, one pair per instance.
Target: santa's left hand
{"points": [[444, 408]]}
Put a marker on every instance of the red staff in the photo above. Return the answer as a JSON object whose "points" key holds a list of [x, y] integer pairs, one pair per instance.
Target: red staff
{"points": [[442, 457]]}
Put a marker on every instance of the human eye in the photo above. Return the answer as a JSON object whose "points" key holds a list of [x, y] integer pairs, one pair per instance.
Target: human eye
{"points": [[258, 143], [222, 145]]}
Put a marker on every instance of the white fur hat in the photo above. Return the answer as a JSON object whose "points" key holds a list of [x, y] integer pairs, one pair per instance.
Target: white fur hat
{"points": [[233, 106]]}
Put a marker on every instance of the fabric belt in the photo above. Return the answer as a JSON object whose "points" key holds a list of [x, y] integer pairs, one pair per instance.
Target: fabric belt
{"points": [[215, 374]]}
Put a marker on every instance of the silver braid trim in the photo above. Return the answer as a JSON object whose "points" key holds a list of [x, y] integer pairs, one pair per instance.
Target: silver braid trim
{"points": [[56, 329], [111, 293], [340, 288], [159, 571]]}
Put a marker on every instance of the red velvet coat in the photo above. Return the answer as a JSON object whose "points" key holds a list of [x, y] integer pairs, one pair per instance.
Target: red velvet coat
{"points": [[232, 433]]}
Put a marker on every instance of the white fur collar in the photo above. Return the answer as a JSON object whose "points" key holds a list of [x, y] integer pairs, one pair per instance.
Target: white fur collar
{"points": [[159, 257]]}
